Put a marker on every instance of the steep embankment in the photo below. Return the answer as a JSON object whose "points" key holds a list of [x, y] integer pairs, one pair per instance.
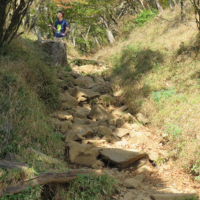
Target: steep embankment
{"points": [[156, 70]]}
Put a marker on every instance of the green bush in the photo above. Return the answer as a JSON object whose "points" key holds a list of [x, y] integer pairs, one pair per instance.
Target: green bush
{"points": [[144, 17]]}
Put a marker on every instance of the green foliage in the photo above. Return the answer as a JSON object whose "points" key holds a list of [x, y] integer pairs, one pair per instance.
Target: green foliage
{"points": [[47, 17], [159, 161], [144, 17], [163, 95], [129, 26], [12, 146], [92, 187], [67, 68], [195, 170], [173, 130]]}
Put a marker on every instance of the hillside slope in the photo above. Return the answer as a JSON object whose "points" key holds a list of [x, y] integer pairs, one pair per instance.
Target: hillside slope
{"points": [[156, 69]]}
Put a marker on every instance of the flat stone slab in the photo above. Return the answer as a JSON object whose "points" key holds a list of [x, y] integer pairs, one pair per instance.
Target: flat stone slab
{"points": [[120, 157], [121, 132], [173, 196]]}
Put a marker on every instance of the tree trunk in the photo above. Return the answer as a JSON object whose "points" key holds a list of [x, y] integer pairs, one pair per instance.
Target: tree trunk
{"points": [[170, 4], [159, 7], [110, 35], [9, 28], [27, 19], [85, 37], [142, 3], [174, 1], [151, 3], [97, 41], [183, 18], [196, 5]]}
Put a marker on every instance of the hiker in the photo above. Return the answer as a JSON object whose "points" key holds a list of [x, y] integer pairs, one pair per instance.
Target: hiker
{"points": [[61, 26]]}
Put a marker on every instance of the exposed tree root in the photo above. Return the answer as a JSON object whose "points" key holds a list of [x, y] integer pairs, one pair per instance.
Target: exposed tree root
{"points": [[46, 178]]}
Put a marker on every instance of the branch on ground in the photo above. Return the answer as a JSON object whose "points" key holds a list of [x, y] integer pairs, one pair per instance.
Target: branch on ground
{"points": [[47, 178]]}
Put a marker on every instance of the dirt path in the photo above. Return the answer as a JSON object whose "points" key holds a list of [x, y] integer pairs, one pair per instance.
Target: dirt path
{"points": [[102, 136]]}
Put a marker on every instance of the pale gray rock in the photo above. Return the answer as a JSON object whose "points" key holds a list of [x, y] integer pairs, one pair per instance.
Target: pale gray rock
{"points": [[153, 156], [57, 51], [98, 113], [132, 183], [104, 130], [122, 158], [80, 92], [121, 132]]}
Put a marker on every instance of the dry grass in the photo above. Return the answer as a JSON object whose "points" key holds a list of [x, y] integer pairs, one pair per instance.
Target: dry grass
{"points": [[158, 69]]}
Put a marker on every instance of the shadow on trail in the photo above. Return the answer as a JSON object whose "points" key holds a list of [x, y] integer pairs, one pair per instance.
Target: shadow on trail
{"points": [[130, 67]]}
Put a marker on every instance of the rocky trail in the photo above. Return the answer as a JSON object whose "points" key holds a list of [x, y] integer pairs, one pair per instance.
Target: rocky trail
{"points": [[100, 135]]}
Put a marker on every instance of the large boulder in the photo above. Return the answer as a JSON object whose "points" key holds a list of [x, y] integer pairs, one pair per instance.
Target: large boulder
{"points": [[67, 100], [102, 130], [79, 121], [132, 183], [80, 92], [119, 123], [121, 157], [81, 112], [85, 81], [98, 113], [57, 51], [83, 130], [62, 126], [102, 89], [78, 132], [83, 154]]}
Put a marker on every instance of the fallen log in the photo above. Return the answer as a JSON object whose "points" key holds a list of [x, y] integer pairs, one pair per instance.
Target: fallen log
{"points": [[46, 178], [11, 165]]}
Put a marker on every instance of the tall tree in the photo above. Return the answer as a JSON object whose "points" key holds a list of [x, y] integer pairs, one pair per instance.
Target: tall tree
{"points": [[196, 5], [159, 7], [182, 10], [11, 15]]}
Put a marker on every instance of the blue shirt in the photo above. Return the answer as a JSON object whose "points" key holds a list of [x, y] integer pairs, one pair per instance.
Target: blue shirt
{"points": [[60, 27]]}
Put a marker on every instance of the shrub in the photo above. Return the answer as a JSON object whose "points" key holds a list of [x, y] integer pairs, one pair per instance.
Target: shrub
{"points": [[144, 17]]}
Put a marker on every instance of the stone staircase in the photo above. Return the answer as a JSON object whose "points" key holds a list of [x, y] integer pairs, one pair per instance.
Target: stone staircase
{"points": [[100, 135]]}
